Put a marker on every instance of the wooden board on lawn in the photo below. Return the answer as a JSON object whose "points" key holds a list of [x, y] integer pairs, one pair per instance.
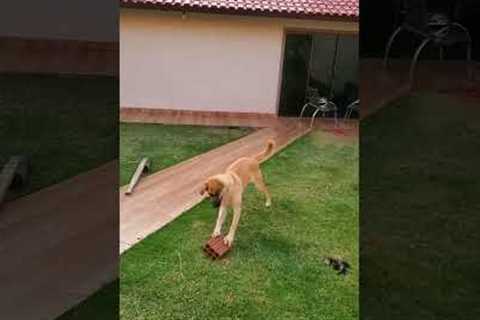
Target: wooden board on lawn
{"points": [[14, 172], [143, 167]]}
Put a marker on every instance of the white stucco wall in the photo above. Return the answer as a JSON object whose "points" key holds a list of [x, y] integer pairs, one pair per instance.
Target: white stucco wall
{"points": [[204, 62]]}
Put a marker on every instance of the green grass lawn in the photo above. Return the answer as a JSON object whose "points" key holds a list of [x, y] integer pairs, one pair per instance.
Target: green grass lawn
{"points": [[275, 270], [166, 145], [66, 125], [419, 217]]}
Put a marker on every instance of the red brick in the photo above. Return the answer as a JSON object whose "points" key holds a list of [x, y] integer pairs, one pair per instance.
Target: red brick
{"points": [[216, 247]]}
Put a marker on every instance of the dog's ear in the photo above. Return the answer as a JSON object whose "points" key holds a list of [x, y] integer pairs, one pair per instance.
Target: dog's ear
{"points": [[215, 186]]}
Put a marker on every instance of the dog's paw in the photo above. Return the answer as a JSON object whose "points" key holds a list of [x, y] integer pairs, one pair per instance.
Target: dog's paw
{"points": [[268, 203], [215, 234], [228, 240]]}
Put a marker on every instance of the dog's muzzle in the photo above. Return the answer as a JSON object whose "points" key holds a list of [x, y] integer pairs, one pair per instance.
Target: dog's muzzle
{"points": [[216, 201]]}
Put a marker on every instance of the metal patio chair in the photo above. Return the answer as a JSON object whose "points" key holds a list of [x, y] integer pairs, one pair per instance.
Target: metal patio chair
{"points": [[437, 28], [320, 104], [354, 106]]}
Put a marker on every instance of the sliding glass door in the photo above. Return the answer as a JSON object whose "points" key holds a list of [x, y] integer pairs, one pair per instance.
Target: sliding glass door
{"points": [[325, 62]]}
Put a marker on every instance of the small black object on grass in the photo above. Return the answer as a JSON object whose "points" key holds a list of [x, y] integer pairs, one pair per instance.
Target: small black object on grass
{"points": [[338, 265]]}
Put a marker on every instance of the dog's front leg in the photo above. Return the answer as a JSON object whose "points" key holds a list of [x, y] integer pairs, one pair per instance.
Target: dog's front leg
{"points": [[222, 212], [237, 210]]}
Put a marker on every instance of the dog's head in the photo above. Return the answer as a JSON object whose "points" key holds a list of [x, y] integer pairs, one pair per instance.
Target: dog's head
{"points": [[213, 190]]}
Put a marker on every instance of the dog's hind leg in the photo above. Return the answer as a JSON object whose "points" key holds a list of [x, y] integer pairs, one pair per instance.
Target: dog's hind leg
{"points": [[259, 183], [222, 213]]}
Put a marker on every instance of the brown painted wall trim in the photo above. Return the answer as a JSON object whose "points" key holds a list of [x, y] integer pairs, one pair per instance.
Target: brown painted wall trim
{"points": [[213, 118], [58, 56]]}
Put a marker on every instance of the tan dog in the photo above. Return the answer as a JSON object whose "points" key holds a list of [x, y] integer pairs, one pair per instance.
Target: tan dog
{"points": [[226, 189]]}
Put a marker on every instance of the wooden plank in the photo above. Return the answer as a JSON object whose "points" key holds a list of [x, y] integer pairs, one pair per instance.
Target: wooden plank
{"points": [[14, 172], [6, 177], [142, 167]]}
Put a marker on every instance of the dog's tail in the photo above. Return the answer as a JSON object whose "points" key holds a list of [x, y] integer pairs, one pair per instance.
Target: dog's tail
{"points": [[267, 152]]}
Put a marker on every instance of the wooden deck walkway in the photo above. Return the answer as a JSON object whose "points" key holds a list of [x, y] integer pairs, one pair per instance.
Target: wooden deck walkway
{"points": [[162, 197], [58, 245]]}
